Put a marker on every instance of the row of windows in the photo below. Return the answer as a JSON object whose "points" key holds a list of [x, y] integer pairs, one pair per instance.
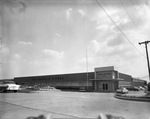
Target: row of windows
{"points": [[48, 78]]}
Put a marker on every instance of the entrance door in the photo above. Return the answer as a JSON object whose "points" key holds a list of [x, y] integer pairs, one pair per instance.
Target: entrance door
{"points": [[105, 86]]}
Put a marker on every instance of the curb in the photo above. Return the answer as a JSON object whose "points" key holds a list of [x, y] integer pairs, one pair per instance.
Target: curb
{"points": [[132, 97]]}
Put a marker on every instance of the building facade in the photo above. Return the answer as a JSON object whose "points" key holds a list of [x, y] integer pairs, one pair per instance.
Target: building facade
{"points": [[106, 79], [103, 79]]}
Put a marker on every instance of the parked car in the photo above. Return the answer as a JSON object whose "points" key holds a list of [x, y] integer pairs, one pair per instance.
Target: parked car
{"points": [[141, 88], [33, 87], [9, 86], [122, 90], [82, 89], [132, 88]]}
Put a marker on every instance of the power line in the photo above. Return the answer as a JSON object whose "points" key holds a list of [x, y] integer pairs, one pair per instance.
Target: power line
{"points": [[118, 27], [136, 11], [116, 21], [128, 13]]}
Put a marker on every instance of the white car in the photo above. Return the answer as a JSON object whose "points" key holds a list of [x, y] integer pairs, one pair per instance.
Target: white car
{"points": [[122, 90], [9, 86]]}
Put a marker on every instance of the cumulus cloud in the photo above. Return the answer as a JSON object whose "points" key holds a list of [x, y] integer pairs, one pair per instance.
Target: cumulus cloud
{"points": [[15, 5], [81, 12], [116, 41], [53, 54], [102, 27], [72, 30], [5, 49], [24, 43], [93, 47], [68, 13], [16, 56]]}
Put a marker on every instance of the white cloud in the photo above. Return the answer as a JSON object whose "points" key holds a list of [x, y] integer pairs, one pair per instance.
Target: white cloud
{"points": [[93, 47], [102, 27], [68, 13], [24, 43], [107, 45], [54, 54], [16, 56], [57, 34], [81, 12], [5, 50]]}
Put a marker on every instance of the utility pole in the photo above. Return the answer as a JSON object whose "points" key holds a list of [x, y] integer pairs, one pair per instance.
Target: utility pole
{"points": [[146, 42], [1, 50]]}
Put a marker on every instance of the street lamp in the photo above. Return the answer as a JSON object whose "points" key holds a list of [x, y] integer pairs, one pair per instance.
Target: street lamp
{"points": [[87, 82]]}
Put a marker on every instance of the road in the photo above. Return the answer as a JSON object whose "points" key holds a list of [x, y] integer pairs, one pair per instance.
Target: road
{"points": [[61, 104]]}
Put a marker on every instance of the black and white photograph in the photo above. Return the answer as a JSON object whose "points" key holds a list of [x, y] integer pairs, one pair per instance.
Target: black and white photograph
{"points": [[74, 59]]}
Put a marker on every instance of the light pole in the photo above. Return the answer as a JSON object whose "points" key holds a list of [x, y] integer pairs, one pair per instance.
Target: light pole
{"points": [[87, 82]]}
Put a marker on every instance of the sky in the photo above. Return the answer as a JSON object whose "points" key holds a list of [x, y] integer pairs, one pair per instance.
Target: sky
{"points": [[44, 37]]}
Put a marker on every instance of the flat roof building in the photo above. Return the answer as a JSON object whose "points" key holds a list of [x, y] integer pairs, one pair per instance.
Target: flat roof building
{"points": [[103, 79]]}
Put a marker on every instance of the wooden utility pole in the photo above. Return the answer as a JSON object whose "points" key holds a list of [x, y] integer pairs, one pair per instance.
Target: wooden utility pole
{"points": [[146, 42]]}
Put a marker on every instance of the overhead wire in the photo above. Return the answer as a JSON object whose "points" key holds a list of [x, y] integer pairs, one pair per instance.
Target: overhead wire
{"points": [[136, 11], [118, 27], [112, 16], [128, 13], [130, 16], [120, 24]]}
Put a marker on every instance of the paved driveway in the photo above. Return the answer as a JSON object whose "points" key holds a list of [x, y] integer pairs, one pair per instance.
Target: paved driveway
{"points": [[69, 105]]}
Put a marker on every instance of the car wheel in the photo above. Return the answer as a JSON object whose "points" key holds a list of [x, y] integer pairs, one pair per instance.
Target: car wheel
{"points": [[15, 91], [3, 90]]}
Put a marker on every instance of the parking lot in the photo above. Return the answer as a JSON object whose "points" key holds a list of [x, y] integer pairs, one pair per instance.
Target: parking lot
{"points": [[60, 104]]}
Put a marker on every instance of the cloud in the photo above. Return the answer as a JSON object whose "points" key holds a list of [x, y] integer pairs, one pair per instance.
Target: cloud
{"points": [[66, 35], [81, 12], [24, 43], [116, 41], [68, 13], [15, 6], [16, 56], [103, 27], [5, 49], [5, 53], [57, 34], [53, 54], [93, 47]]}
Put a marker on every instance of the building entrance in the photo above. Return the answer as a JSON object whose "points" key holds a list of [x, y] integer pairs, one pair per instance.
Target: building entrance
{"points": [[105, 86]]}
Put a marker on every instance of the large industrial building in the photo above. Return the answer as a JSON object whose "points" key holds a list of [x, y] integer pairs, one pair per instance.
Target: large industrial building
{"points": [[103, 79]]}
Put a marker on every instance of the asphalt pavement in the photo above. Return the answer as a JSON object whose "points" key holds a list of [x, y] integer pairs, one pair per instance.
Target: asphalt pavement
{"points": [[74, 105]]}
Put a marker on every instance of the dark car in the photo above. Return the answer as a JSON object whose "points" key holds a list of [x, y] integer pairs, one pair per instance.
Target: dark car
{"points": [[132, 88]]}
